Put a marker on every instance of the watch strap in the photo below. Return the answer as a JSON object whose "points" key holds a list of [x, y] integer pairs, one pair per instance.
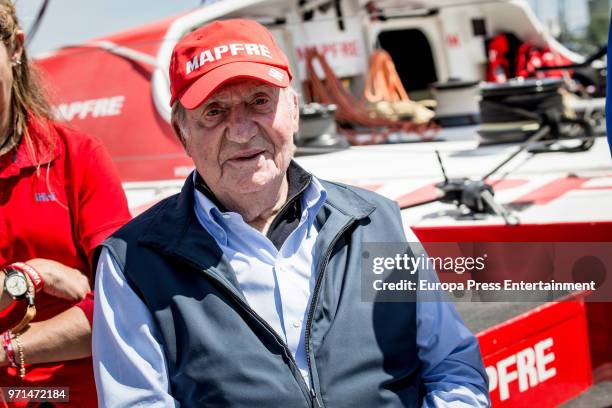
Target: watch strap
{"points": [[32, 273], [31, 306], [27, 318]]}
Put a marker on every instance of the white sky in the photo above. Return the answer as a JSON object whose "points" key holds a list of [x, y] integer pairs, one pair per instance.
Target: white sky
{"points": [[577, 12], [74, 21]]}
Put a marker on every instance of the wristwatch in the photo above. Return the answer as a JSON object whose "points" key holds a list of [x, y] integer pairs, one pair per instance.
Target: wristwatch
{"points": [[15, 283], [19, 286]]}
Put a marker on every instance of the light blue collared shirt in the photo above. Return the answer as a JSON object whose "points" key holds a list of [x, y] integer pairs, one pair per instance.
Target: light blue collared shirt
{"points": [[129, 362], [277, 284]]}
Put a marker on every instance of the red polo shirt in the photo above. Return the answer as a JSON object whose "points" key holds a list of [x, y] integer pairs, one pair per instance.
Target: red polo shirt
{"points": [[60, 210]]}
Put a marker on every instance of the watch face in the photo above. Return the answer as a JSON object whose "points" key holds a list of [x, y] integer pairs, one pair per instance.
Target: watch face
{"points": [[16, 285]]}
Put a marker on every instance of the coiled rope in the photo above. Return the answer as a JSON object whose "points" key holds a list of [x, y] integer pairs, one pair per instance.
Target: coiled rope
{"points": [[353, 112]]}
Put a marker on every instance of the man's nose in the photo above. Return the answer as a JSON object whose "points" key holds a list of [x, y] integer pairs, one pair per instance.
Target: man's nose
{"points": [[241, 128]]}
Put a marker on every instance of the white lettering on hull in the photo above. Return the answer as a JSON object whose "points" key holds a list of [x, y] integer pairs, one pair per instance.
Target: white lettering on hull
{"points": [[94, 108], [528, 366]]}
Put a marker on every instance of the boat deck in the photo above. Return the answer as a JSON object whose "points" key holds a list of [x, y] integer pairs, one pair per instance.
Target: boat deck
{"points": [[544, 188], [598, 396]]}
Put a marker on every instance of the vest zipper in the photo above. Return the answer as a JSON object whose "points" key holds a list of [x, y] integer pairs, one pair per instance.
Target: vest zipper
{"points": [[313, 304], [314, 399], [254, 314]]}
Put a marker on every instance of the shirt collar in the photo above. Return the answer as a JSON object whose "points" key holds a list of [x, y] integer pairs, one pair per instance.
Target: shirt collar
{"points": [[311, 193], [202, 187], [40, 146], [298, 181]]}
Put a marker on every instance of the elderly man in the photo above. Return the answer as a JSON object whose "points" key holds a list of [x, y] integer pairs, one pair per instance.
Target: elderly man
{"points": [[244, 289]]}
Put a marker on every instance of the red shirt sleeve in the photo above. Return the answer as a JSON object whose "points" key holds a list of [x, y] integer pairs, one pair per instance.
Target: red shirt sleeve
{"points": [[87, 306], [101, 206]]}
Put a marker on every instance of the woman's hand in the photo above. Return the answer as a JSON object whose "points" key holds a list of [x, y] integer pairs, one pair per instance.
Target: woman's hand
{"points": [[60, 280], [3, 361]]}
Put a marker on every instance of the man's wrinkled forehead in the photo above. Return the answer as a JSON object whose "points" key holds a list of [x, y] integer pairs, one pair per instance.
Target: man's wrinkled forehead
{"points": [[239, 89]]}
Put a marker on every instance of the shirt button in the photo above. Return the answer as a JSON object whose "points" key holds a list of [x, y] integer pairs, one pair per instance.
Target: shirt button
{"points": [[297, 324]]}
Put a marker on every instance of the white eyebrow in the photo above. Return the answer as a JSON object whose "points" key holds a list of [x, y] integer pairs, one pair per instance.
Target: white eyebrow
{"points": [[219, 97]]}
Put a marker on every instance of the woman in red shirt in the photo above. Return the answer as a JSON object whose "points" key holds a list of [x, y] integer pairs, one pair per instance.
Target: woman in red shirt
{"points": [[59, 198]]}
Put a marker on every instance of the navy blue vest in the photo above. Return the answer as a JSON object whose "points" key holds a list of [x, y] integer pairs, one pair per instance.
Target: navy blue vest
{"points": [[220, 353]]}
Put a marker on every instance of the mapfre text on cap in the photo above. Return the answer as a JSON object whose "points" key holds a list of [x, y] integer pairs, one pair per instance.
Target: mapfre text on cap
{"points": [[221, 51]]}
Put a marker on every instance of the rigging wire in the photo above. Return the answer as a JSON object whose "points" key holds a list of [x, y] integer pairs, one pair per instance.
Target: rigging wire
{"points": [[37, 22]]}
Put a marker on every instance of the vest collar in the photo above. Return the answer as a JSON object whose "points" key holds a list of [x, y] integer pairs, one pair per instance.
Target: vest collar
{"points": [[347, 201], [175, 229]]}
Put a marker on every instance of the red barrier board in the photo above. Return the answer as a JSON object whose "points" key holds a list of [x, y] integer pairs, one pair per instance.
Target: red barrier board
{"points": [[558, 231], [538, 359]]}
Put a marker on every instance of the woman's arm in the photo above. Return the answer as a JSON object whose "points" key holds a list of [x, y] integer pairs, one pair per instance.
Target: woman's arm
{"points": [[66, 336], [5, 299], [60, 281]]}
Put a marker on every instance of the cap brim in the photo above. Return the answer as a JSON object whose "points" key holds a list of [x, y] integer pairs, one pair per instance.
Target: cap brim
{"points": [[202, 88]]}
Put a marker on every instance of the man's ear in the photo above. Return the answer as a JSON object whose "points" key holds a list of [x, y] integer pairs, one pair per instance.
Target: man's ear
{"points": [[18, 46], [296, 112], [179, 133]]}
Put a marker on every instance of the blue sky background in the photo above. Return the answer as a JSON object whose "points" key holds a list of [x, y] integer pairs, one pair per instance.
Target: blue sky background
{"points": [[74, 21]]}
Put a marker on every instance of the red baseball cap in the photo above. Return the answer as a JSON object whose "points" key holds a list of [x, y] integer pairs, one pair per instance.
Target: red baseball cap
{"points": [[213, 54]]}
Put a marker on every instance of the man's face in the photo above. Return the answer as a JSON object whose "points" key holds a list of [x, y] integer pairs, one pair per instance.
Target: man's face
{"points": [[241, 137]]}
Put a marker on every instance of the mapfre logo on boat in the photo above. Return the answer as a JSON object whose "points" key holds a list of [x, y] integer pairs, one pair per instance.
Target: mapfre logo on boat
{"points": [[529, 367], [223, 51], [90, 108]]}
